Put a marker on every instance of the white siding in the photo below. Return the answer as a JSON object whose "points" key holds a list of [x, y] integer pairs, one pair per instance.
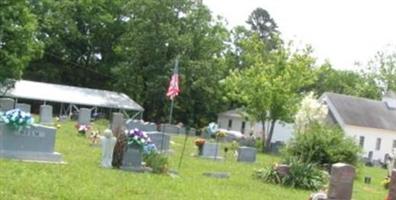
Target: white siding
{"points": [[370, 140], [282, 131]]}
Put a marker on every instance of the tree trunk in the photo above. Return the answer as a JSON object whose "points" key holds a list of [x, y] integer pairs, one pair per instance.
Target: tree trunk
{"points": [[268, 141], [263, 136]]}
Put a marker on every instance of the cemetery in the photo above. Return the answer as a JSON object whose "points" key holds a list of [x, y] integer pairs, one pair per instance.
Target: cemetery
{"points": [[163, 100]]}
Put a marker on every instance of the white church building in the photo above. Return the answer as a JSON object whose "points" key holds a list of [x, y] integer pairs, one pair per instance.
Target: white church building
{"points": [[371, 122]]}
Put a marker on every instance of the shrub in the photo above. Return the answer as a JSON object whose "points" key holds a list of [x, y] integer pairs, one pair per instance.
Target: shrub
{"points": [[158, 162], [324, 145], [301, 175]]}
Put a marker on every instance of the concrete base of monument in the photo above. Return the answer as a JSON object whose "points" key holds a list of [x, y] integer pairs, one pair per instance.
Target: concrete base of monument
{"points": [[39, 157]]}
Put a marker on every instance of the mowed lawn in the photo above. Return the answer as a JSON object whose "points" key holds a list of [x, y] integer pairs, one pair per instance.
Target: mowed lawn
{"points": [[82, 177]]}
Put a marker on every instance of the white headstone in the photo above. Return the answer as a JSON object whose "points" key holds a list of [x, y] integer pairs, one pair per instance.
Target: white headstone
{"points": [[6, 104], [35, 143], [108, 142], [84, 116], [46, 114], [24, 107]]}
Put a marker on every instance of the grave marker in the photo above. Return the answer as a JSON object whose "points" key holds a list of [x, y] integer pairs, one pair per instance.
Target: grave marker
{"points": [[84, 116], [132, 159], [35, 143], [212, 151], [117, 123], [246, 154], [6, 104], [24, 107], [46, 114], [157, 137], [392, 186], [341, 182]]}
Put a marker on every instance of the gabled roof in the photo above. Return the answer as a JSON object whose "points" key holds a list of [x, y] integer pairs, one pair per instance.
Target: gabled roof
{"points": [[72, 95], [358, 111], [232, 113]]}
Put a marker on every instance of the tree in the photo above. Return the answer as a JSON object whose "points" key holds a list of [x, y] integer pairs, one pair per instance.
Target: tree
{"points": [[264, 25], [269, 88], [344, 82], [18, 43], [79, 38], [382, 70]]}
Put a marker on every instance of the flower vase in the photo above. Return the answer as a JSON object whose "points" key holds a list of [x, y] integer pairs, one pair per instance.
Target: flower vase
{"points": [[200, 150]]}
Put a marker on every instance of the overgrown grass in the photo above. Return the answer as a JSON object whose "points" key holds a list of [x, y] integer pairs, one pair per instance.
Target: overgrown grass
{"points": [[82, 178]]}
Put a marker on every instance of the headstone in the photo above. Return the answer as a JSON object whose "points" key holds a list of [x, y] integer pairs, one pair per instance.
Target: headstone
{"points": [[132, 159], [246, 154], [35, 143], [84, 116], [212, 151], [117, 123], [161, 140], [282, 170], [6, 104], [341, 182], [276, 146], [392, 186], [170, 128], [24, 107], [148, 127], [46, 114], [220, 175], [249, 142], [108, 142], [132, 124]]}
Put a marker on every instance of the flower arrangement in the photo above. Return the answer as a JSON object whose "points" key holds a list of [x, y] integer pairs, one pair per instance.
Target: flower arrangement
{"points": [[94, 137], [199, 143], [149, 149], [221, 134], [385, 182], [83, 128], [17, 118], [137, 137]]}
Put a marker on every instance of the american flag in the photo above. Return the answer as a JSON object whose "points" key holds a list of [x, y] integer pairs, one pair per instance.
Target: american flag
{"points": [[173, 89]]}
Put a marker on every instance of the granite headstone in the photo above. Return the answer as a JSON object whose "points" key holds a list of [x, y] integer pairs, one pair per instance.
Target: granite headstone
{"points": [[35, 143], [84, 116], [161, 140], [6, 104], [341, 182], [46, 114], [24, 107], [246, 154]]}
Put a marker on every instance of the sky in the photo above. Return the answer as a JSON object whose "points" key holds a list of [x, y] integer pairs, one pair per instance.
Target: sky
{"points": [[342, 31]]}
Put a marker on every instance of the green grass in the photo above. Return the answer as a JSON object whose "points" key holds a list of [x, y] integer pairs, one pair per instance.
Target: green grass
{"points": [[82, 178]]}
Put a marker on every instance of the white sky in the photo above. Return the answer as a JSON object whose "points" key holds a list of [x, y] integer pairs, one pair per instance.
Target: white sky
{"points": [[343, 31]]}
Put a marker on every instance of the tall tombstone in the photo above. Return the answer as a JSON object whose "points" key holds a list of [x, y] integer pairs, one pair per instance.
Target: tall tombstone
{"points": [[341, 182], [36, 143], [6, 104], [132, 159], [46, 114], [117, 123], [24, 107], [392, 186], [84, 116]]}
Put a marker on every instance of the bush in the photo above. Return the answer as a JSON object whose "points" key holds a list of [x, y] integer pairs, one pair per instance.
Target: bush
{"points": [[158, 162], [301, 175], [324, 145]]}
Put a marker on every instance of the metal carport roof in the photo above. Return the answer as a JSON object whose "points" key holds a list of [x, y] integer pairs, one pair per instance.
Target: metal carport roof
{"points": [[72, 95]]}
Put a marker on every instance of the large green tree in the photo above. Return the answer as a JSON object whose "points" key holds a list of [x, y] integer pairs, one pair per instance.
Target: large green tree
{"points": [[18, 42], [269, 88], [344, 82], [264, 25], [172, 29]]}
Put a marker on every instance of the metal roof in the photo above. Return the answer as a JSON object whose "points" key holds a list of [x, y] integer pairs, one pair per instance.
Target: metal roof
{"points": [[72, 95], [362, 112]]}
